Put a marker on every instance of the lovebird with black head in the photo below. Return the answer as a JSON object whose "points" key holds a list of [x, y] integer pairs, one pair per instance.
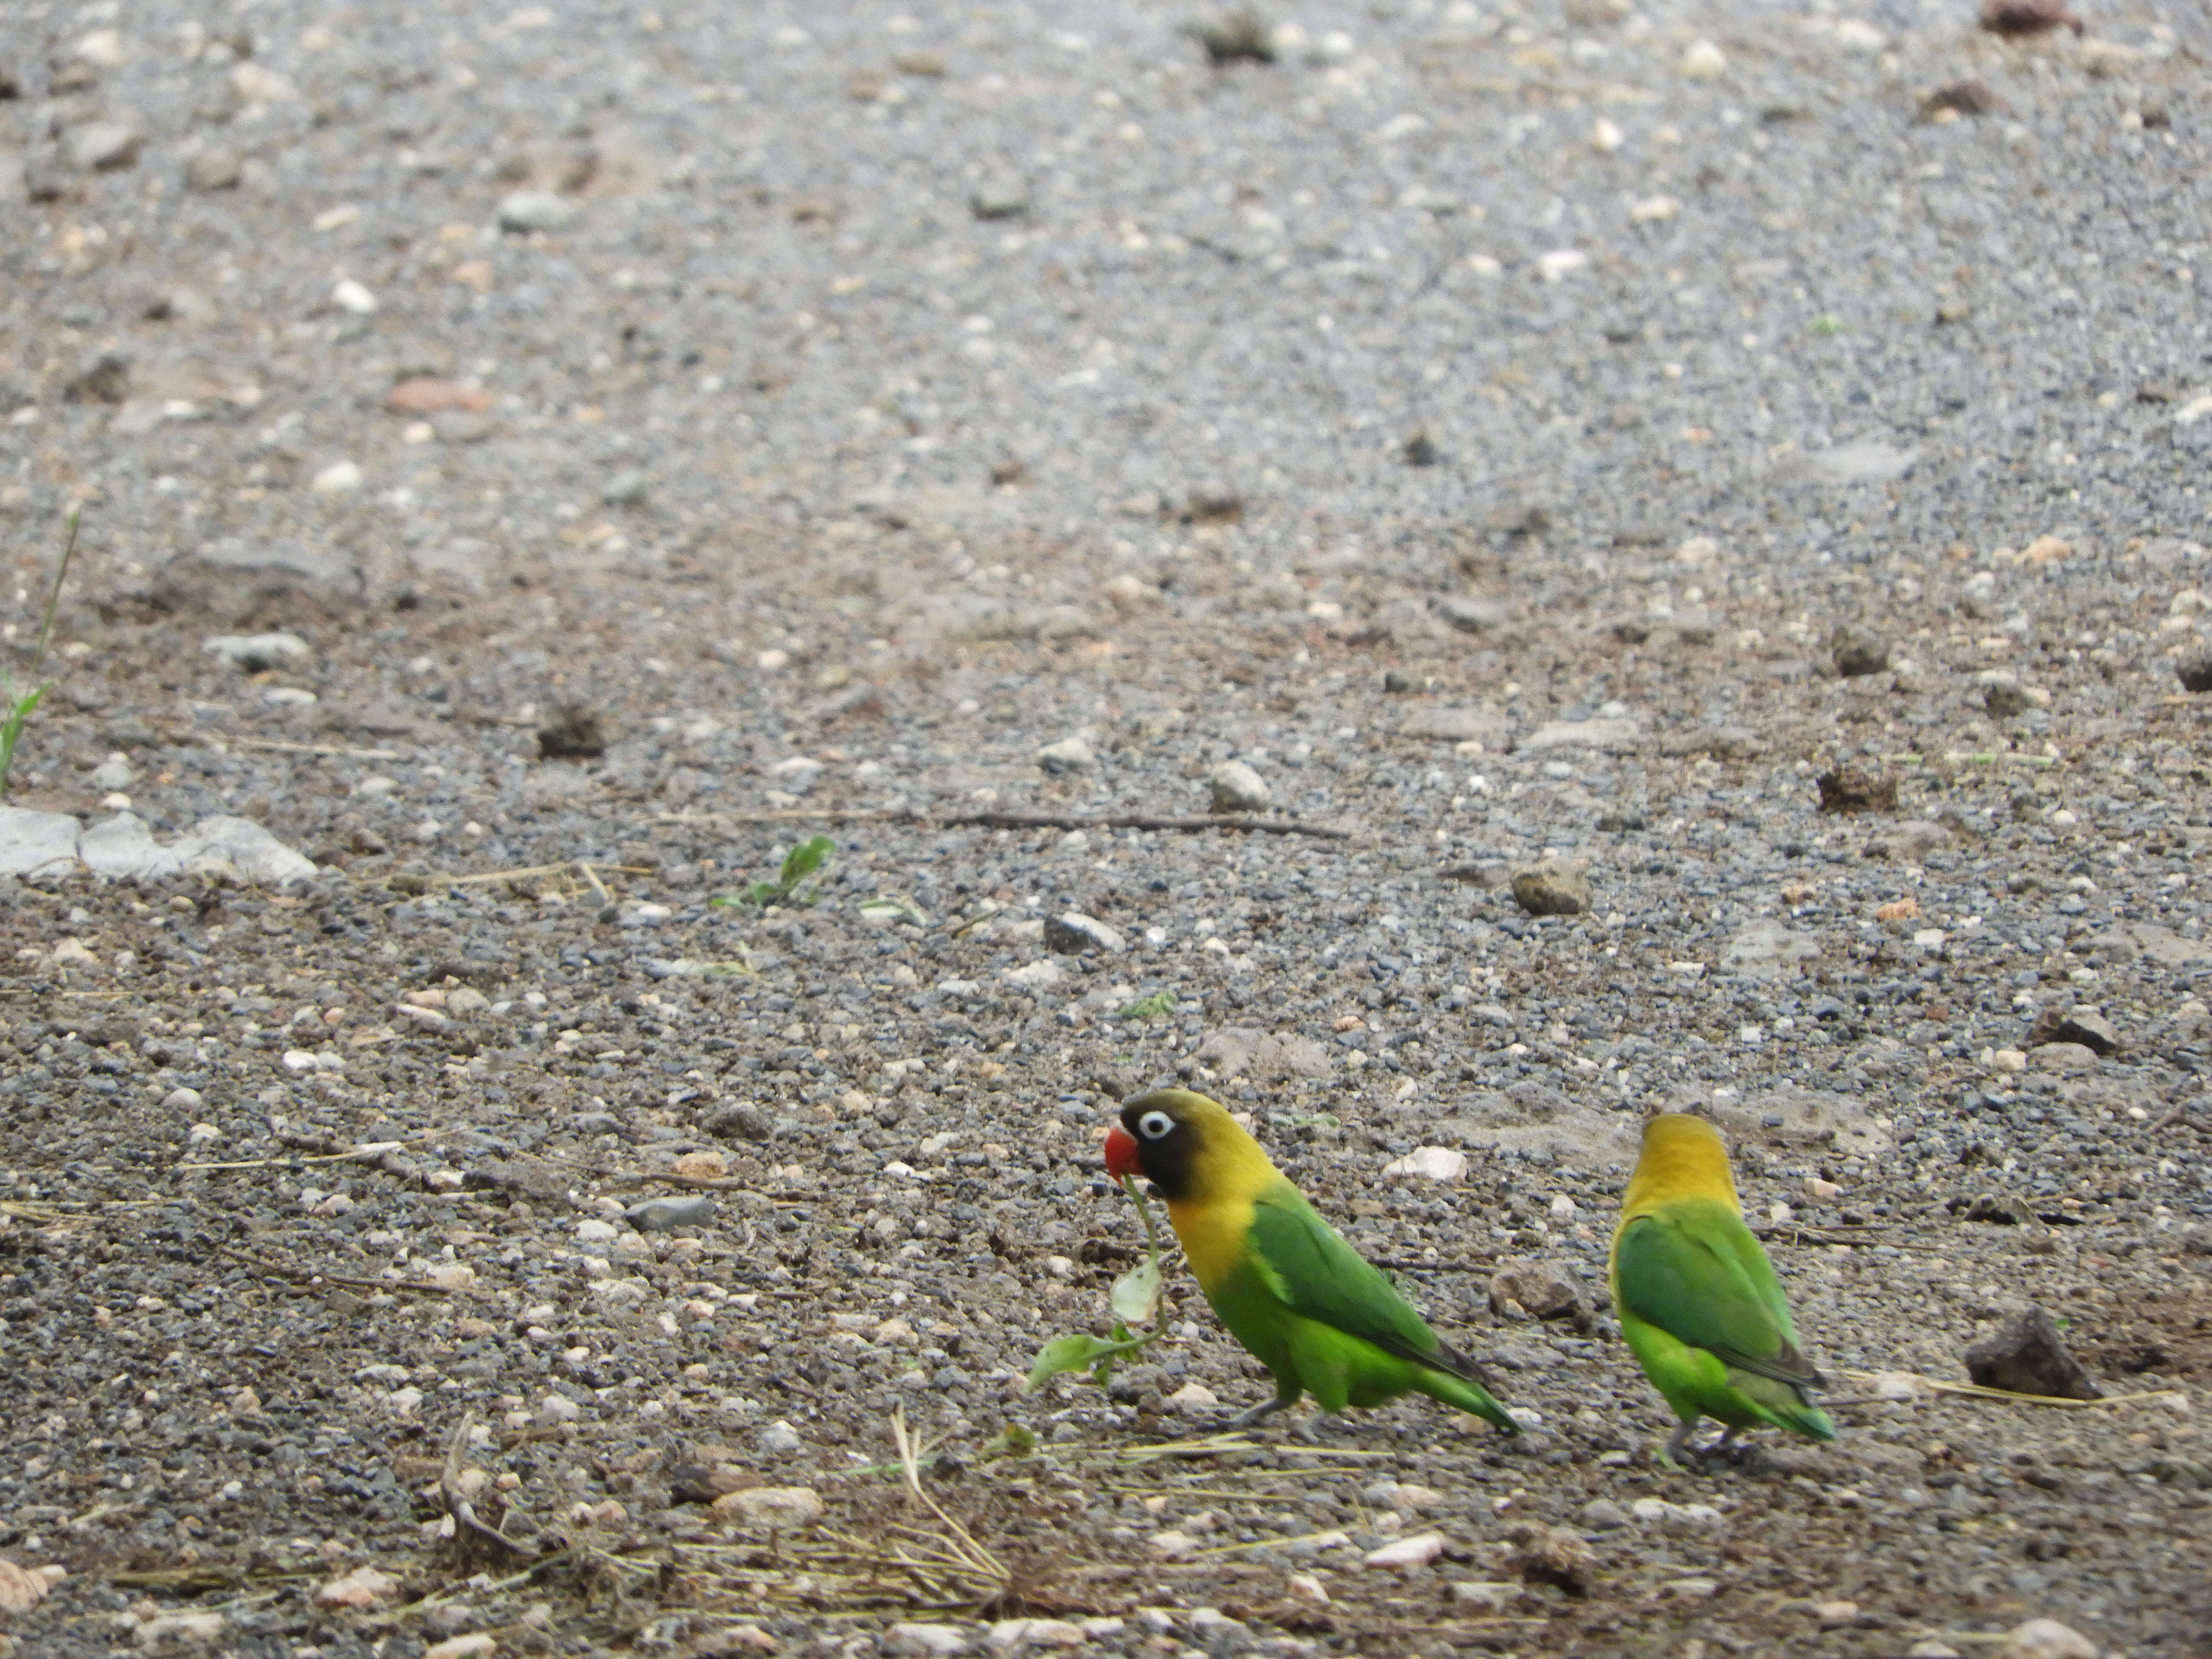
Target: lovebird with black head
{"points": [[1320, 1319]]}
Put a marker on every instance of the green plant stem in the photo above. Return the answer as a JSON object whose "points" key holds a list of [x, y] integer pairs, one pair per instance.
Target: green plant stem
{"points": [[54, 593], [1145, 1210]]}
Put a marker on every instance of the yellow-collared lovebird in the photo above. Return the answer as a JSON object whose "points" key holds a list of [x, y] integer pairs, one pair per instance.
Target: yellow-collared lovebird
{"points": [[1320, 1318], [1697, 1298]]}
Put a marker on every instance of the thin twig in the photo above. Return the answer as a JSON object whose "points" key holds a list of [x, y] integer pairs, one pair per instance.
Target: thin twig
{"points": [[592, 877], [1017, 821], [1143, 821], [457, 1501], [1977, 1391], [336, 749], [316, 1276]]}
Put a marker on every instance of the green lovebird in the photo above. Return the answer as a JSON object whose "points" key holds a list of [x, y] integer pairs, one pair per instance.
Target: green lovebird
{"points": [[1697, 1298], [1283, 1281]]}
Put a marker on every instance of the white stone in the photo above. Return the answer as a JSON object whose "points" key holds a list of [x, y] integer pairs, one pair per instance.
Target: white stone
{"points": [[1237, 788], [1422, 1549], [350, 295], [251, 652], [2046, 1638], [1035, 975], [1560, 263], [1703, 61], [925, 1641], [36, 842], [338, 478], [1429, 1163], [1605, 137], [1192, 1397], [526, 210], [771, 1506]]}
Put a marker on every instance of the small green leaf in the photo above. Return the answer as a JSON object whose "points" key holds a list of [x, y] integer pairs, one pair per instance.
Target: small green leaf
{"points": [[1136, 1294], [1069, 1354], [1012, 1441], [804, 860], [1825, 326], [895, 907], [1159, 1005]]}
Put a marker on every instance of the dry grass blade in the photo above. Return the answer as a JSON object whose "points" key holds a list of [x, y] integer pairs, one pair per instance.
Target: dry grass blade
{"points": [[1977, 1391], [457, 1501], [971, 1555]]}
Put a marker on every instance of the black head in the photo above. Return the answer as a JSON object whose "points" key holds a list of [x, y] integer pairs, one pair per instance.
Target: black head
{"points": [[1170, 1129]]}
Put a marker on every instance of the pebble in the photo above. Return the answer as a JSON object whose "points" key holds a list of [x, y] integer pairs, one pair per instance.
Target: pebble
{"points": [[1703, 61], [925, 1641], [1857, 650], [2027, 1355], [528, 210], [779, 1439], [1836, 1615], [1539, 1289], [1603, 1515], [364, 1586], [1237, 788], [779, 1507], [557, 1408], [1552, 889], [1192, 1397], [1009, 1635], [1004, 197], [2046, 1638], [338, 478], [1305, 1587], [214, 170], [1067, 756], [100, 146], [1421, 1550], [355, 297], [1429, 1163], [2193, 667], [625, 489], [661, 1215], [1076, 934], [114, 773], [1675, 1518]]}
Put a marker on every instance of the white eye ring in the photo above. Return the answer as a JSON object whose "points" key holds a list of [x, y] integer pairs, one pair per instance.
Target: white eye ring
{"points": [[1154, 1125]]}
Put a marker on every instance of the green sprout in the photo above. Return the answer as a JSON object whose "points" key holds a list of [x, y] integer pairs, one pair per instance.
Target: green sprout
{"points": [[802, 867], [19, 705]]}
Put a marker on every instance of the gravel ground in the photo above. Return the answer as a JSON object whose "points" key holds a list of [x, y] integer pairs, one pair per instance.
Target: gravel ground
{"points": [[1557, 449]]}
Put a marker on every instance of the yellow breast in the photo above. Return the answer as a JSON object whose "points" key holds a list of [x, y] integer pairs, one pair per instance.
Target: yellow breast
{"points": [[1213, 1236]]}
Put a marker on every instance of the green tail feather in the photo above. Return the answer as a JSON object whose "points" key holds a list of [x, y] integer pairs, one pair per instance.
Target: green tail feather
{"points": [[1783, 1406], [1467, 1396]]}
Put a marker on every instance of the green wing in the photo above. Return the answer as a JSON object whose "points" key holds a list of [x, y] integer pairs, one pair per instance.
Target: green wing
{"points": [[1302, 1259], [1693, 1270]]}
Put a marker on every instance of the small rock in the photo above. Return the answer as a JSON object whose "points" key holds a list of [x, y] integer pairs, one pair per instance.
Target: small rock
{"points": [[1067, 756], [1235, 37], [102, 378], [100, 146], [356, 297], [1192, 1397], [1552, 889], [2018, 17], [338, 478], [779, 1439], [557, 1408], [1603, 1515], [662, 1215], [2084, 1025], [1539, 1287], [113, 773], [1857, 789], [1420, 449], [1703, 61], [1858, 651], [1836, 1615], [22, 1589], [1967, 97], [1237, 788], [1421, 1550], [925, 1641], [1076, 934], [625, 489], [359, 1589], [574, 732], [527, 210], [257, 653], [1490, 1596], [2027, 1355], [1002, 197], [2193, 667], [1675, 1518], [2046, 1638], [1429, 1163], [471, 1646], [1035, 975], [779, 1507], [1553, 1555], [1397, 682], [2004, 697], [214, 170], [742, 1121], [1305, 1587], [1470, 615]]}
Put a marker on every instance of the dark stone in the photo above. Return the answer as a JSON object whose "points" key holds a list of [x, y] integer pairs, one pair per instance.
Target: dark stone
{"points": [[2026, 1355], [1858, 651], [741, 1121], [574, 732], [2193, 667], [1857, 789]]}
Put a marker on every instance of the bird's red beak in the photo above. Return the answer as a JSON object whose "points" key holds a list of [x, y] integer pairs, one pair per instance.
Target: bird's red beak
{"points": [[1122, 1161]]}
